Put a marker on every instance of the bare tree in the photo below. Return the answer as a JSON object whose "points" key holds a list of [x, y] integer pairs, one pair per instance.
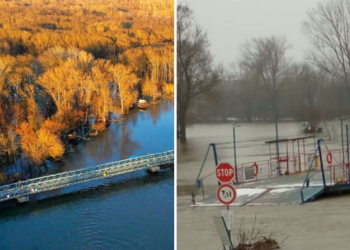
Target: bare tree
{"points": [[195, 73], [307, 84], [267, 58], [247, 88], [328, 27]]}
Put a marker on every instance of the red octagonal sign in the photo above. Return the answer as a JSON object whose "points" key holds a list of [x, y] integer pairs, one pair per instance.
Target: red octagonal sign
{"points": [[225, 173]]}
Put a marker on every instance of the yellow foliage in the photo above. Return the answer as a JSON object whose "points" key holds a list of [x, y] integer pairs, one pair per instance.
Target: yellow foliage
{"points": [[53, 127], [126, 82], [59, 45], [169, 89], [38, 145]]}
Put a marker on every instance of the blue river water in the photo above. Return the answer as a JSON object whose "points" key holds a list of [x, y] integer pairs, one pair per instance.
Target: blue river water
{"points": [[131, 211]]}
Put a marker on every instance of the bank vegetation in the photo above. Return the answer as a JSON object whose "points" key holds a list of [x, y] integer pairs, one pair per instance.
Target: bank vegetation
{"points": [[64, 62]]}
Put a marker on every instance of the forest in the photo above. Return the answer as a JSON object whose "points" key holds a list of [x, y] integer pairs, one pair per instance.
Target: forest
{"points": [[264, 82], [64, 62]]}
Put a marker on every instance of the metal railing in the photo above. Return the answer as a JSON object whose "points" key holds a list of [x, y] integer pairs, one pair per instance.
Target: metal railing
{"points": [[50, 182], [317, 155]]}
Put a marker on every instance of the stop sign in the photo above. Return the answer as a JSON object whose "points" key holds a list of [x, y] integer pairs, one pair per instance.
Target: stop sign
{"points": [[225, 173]]}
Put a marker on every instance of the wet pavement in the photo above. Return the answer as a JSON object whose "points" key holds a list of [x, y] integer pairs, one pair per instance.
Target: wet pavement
{"points": [[274, 191]]}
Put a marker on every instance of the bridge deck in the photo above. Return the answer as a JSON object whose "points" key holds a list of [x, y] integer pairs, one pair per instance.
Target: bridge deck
{"points": [[50, 182]]}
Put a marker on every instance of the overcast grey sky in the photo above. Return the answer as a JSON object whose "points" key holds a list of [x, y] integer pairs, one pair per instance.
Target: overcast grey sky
{"points": [[229, 23]]}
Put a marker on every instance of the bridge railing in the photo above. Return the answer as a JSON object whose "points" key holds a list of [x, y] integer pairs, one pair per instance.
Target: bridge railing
{"points": [[50, 182]]}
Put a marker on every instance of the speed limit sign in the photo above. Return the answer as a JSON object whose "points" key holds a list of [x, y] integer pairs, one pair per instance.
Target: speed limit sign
{"points": [[226, 194]]}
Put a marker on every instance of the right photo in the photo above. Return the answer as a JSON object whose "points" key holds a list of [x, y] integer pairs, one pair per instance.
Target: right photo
{"points": [[263, 105]]}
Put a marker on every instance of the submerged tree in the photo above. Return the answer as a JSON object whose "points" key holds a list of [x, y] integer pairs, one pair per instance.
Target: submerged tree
{"points": [[38, 145], [195, 72]]}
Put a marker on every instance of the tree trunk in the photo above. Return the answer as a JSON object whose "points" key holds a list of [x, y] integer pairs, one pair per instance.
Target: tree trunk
{"points": [[248, 111], [182, 123], [275, 108], [46, 167]]}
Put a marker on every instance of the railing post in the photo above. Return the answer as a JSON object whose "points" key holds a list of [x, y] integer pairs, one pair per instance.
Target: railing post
{"points": [[215, 157], [215, 153], [321, 162], [347, 150], [200, 171]]}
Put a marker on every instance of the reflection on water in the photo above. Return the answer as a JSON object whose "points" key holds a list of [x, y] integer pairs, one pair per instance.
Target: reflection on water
{"points": [[139, 133], [113, 216], [132, 211]]}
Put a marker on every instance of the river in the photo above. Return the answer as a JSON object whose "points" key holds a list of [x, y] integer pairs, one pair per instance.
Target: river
{"points": [[251, 147], [131, 211]]}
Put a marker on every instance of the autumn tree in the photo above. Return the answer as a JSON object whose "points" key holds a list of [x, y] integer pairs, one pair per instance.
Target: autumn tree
{"points": [[154, 80], [6, 65], [195, 72], [125, 81], [34, 118], [9, 143], [49, 80], [38, 145], [102, 101], [61, 83]]}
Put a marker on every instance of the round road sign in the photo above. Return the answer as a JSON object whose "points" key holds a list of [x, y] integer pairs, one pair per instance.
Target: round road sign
{"points": [[225, 173], [226, 194]]}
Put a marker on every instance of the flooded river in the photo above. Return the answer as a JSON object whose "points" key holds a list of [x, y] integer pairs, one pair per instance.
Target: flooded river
{"points": [[251, 146], [132, 211]]}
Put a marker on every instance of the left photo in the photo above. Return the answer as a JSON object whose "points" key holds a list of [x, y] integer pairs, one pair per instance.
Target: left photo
{"points": [[87, 124]]}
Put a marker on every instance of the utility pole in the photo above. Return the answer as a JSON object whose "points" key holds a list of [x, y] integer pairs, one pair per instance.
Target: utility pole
{"points": [[342, 137], [277, 149], [234, 150]]}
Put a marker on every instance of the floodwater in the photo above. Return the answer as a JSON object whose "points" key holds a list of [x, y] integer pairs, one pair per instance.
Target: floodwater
{"points": [[293, 226], [131, 211], [251, 145]]}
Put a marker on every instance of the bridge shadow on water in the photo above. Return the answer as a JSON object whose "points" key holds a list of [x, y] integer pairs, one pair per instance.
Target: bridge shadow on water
{"points": [[89, 190]]}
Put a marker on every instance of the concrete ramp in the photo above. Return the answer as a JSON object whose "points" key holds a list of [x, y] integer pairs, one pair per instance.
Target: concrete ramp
{"points": [[278, 196], [268, 196], [244, 196], [311, 193], [289, 195]]}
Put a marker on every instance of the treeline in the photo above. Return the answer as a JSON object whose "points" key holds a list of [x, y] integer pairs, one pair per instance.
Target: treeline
{"points": [[266, 83], [62, 62], [313, 99]]}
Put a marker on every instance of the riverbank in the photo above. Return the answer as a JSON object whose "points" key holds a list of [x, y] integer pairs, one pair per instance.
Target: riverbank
{"points": [[122, 212], [14, 172]]}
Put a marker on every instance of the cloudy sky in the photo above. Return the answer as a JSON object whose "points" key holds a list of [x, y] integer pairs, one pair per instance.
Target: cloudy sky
{"points": [[229, 23]]}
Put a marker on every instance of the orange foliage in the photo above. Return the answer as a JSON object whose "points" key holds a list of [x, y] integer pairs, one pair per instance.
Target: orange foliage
{"points": [[149, 88], [60, 57], [53, 127], [126, 82], [38, 145], [169, 89]]}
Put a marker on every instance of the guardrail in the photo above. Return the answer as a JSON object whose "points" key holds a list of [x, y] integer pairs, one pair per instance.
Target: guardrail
{"points": [[50, 182], [306, 182]]}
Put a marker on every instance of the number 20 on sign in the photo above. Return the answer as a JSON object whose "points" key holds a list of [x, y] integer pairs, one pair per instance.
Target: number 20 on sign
{"points": [[226, 194]]}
